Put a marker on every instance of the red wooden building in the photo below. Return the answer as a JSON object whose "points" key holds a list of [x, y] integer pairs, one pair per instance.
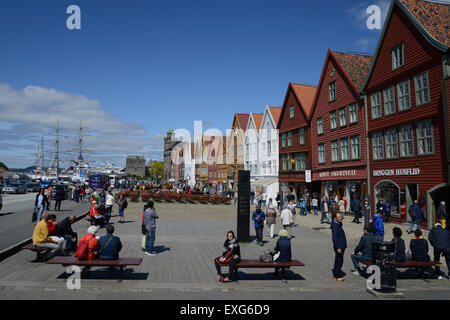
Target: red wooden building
{"points": [[338, 128], [408, 109], [294, 139]]}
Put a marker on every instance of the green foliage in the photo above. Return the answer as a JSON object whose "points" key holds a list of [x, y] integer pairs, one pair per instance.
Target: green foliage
{"points": [[2, 165], [157, 170]]}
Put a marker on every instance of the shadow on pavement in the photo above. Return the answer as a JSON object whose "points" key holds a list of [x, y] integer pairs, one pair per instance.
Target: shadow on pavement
{"points": [[103, 273]]}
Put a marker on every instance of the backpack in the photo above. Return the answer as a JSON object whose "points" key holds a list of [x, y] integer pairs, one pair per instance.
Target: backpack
{"points": [[125, 204], [82, 252], [266, 256]]}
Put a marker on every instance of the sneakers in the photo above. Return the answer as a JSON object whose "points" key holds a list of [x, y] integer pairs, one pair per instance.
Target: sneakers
{"points": [[356, 272], [439, 277], [153, 253], [338, 279], [219, 278], [226, 280]]}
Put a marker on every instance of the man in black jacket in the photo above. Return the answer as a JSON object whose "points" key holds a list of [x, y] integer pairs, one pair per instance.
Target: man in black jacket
{"points": [[440, 240], [59, 196], [64, 230], [365, 247], [339, 246]]}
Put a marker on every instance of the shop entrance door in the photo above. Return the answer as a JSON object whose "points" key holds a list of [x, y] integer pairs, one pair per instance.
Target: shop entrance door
{"points": [[412, 193]]}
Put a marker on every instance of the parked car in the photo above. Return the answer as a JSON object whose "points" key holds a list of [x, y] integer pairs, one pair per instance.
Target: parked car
{"points": [[33, 186], [15, 188]]}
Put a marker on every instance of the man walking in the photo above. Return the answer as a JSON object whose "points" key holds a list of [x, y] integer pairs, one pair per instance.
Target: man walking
{"points": [[324, 210], [416, 214], [339, 246], [356, 207], [150, 217], [258, 217]]}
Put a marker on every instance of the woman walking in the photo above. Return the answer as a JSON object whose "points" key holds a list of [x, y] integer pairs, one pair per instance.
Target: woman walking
{"points": [[271, 216], [123, 204]]}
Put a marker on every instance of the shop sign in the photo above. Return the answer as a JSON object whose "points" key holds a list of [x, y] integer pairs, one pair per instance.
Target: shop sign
{"points": [[308, 175], [338, 173], [396, 172]]}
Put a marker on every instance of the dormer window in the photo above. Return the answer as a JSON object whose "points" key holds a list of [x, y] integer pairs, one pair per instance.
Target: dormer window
{"points": [[398, 58]]}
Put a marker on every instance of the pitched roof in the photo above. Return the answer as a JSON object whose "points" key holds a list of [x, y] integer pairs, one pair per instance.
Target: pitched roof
{"points": [[433, 16], [276, 113], [356, 65], [305, 94], [257, 118], [243, 120]]}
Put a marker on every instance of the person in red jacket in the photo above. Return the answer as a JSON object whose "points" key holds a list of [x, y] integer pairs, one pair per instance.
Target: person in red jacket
{"points": [[92, 242], [51, 224]]}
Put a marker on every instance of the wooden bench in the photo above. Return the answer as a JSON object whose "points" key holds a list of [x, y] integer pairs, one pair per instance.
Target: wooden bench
{"points": [[248, 263], [40, 256], [121, 263], [421, 265]]}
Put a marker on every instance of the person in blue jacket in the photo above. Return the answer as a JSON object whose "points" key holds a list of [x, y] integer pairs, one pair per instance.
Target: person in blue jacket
{"points": [[258, 217], [387, 210], [339, 246], [283, 247], [416, 215], [109, 245], [303, 211], [378, 220]]}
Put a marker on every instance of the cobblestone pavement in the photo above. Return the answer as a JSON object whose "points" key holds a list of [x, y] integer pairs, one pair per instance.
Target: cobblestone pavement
{"points": [[188, 238]]}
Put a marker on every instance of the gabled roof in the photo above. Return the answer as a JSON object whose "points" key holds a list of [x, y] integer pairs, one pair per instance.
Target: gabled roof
{"points": [[242, 119], [305, 94], [356, 65], [257, 118], [433, 16], [430, 18], [276, 113]]}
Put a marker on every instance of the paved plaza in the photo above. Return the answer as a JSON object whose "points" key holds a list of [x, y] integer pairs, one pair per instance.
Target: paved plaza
{"points": [[188, 238]]}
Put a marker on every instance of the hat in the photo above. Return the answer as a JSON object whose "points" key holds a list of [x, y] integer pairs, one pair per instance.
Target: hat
{"points": [[283, 233], [92, 230], [438, 225], [94, 201], [443, 203]]}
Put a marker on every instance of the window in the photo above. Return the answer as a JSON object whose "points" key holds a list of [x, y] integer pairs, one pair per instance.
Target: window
{"points": [[390, 138], [283, 140], [333, 120], [404, 97], [375, 102], [269, 167], [425, 141], [289, 162], [300, 161], [332, 90], [406, 141], [291, 112], [269, 148], [344, 149], [377, 146], [397, 57], [356, 147], [301, 136], [353, 113], [319, 126], [284, 161], [422, 89], [321, 149], [389, 101], [342, 117], [334, 150], [289, 139]]}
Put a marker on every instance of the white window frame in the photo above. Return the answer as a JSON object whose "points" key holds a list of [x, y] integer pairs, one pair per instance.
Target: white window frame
{"points": [[423, 136], [320, 126], [333, 120], [291, 111], [389, 101], [376, 106], [343, 116], [344, 149], [398, 57], [289, 139], [422, 92], [354, 144], [377, 146], [284, 162], [403, 96], [335, 151], [353, 113], [332, 91], [283, 140], [301, 136], [269, 147], [391, 143], [321, 153], [406, 141]]}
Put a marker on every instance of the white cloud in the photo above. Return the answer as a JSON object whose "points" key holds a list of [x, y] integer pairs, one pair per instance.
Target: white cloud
{"points": [[27, 113]]}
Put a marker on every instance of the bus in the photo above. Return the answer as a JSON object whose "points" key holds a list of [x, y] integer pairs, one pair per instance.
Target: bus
{"points": [[98, 181]]}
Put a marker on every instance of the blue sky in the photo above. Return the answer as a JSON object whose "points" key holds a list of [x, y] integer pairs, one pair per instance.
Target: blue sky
{"points": [[138, 68]]}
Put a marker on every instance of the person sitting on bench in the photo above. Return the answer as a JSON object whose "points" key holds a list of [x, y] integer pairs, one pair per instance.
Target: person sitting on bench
{"points": [[42, 238], [399, 251], [283, 246], [232, 255], [419, 247], [365, 247], [109, 245], [64, 230], [88, 247]]}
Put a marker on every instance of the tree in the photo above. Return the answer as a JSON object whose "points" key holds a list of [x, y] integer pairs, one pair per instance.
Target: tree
{"points": [[157, 170], [2, 165]]}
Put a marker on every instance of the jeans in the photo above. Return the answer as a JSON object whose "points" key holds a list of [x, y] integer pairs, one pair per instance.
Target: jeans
{"points": [[259, 234], [231, 267], [40, 210], [302, 212], [414, 221], [315, 210], [357, 257], [121, 212], [71, 246], [338, 262], [150, 240], [325, 216]]}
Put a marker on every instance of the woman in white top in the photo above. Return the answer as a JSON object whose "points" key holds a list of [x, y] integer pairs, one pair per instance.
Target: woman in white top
{"points": [[315, 205]]}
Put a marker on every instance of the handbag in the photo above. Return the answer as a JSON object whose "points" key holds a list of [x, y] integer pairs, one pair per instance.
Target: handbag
{"points": [[34, 216]]}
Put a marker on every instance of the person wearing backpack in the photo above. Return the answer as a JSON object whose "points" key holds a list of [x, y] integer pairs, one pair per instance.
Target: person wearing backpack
{"points": [[258, 217], [416, 214], [109, 245], [123, 204], [88, 245], [231, 255]]}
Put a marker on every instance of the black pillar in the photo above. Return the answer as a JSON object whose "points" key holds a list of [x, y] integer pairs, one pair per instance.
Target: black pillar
{"points": [[243, 208]]}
